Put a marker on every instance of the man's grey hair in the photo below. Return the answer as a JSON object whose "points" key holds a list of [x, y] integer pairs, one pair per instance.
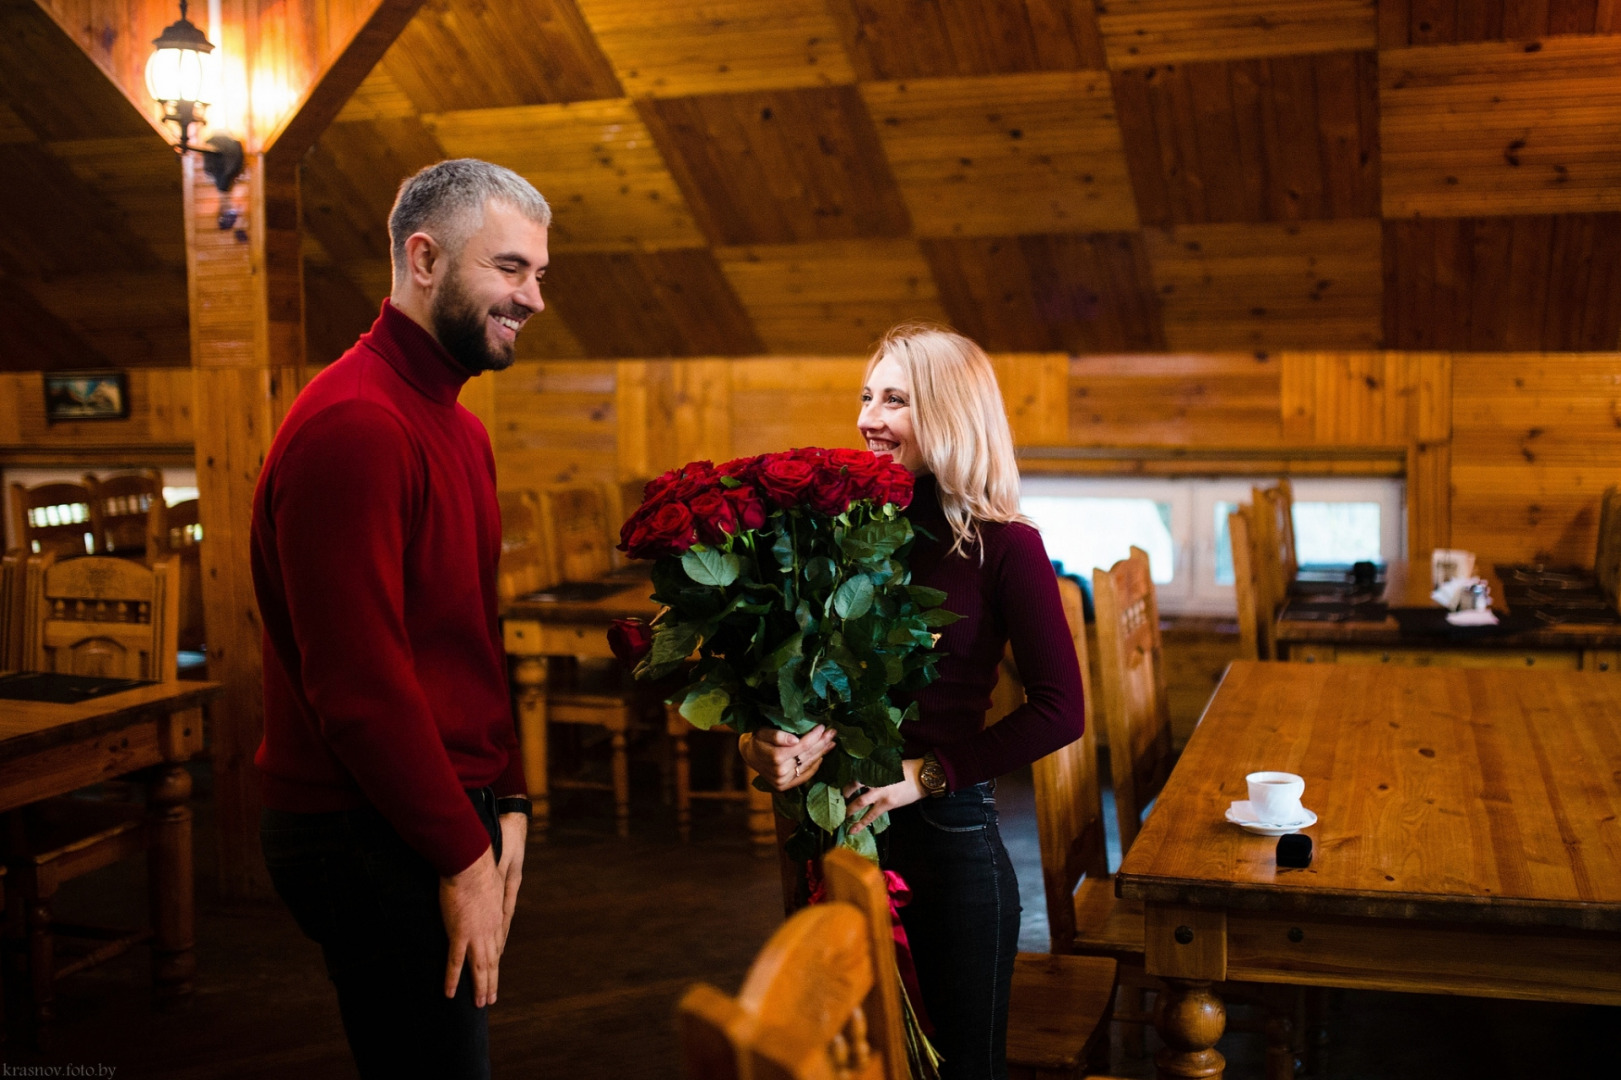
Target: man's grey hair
{"points": [[447, 201]]}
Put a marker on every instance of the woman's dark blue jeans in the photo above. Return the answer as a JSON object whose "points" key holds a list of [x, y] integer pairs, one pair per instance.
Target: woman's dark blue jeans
{"points": [[372, 903], [963, 923]]}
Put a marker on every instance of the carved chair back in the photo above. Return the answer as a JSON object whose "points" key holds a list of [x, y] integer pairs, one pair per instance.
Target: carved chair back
{"points": [[575, 522], [822, 1001], [1136, 716], [524, 564], [1069, 801], [129, 513], [102, 615], [58, 518]]}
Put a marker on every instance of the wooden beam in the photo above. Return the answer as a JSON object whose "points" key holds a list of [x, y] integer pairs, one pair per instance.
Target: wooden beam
{"points": [[247, 345], [332, 88]]}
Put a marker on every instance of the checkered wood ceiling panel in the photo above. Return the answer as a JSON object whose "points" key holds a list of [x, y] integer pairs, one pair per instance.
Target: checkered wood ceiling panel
{"points": [[734, 177], [92, 245]]}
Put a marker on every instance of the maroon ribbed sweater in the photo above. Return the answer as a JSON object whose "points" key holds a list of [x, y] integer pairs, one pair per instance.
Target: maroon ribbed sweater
{"points": [[376, 534], [1011, 596]]}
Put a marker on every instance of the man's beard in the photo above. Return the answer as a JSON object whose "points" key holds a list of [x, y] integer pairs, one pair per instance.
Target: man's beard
{"points": [[464, 330]]}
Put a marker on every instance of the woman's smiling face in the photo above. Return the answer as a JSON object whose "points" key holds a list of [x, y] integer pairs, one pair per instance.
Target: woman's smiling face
{"points": [[886, 415]]}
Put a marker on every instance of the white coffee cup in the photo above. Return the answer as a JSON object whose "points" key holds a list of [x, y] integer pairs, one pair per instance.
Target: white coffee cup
{"points": [[1275, 797]]}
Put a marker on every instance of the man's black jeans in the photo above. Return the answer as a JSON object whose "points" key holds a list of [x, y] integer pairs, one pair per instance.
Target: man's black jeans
{"points": [[963, 923], [372, 904]]}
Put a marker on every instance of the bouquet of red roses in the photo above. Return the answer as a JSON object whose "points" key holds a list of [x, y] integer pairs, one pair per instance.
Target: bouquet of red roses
{"points": [[786, 574]]}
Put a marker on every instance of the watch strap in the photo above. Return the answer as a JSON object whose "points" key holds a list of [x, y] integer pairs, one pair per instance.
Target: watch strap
{"points": [[515, 804]]}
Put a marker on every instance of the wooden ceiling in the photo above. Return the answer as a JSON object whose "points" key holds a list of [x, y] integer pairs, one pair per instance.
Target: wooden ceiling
{"points": [[793, 176], [92, 244]]}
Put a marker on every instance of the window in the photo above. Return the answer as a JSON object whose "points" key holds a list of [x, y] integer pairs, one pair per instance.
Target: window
{"points": [[1091, 522]]}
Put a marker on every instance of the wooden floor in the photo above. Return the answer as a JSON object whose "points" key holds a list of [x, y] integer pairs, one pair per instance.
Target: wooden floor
{"points": [[608, 935]]}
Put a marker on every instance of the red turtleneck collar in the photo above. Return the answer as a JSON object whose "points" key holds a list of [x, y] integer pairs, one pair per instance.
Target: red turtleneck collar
{"points": [[416, 354]]}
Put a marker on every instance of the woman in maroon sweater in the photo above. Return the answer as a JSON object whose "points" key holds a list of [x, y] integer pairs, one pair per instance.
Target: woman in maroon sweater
{"points": [[932, 403]]}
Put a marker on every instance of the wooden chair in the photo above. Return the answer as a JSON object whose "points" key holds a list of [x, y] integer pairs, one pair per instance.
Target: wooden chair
{"points": [[1607, 559], [185, 542], [762, 829], [103, 616], [823, 999], [1257, 606], [1281, 497], [1135, 713], [588, 694], [1083, 915], [128, 510], [624, 498], [13, 604], [525, 565], [574, 519], [58, 518], [1273, 536]]}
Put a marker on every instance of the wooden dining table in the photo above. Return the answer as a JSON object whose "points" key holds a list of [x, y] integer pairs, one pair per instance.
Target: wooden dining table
{"points": [[565, 620], [49, 749], [1382, 639], [1468, 841]]}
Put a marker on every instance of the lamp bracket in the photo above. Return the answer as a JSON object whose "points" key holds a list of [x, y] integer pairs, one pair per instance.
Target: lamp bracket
{"points": [[222, 163]]}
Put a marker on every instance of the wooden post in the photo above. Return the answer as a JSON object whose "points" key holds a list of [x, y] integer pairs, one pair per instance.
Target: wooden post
{"points": [[247, 345]]}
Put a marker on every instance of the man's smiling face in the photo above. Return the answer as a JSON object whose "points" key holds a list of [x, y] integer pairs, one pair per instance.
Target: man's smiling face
{"points": [[490, 289]]}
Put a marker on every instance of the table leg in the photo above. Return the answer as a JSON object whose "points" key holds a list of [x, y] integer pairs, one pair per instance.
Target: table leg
{"points": [[529, 682], [762, 817], [676, 730], [169, 873], [1190, 1019]]}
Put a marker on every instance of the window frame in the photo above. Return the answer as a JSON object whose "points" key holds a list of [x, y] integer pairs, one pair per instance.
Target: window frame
{"points": [[1193, 589]]}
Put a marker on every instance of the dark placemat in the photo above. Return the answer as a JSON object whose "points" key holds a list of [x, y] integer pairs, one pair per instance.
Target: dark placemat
{"points": [[1431, 624], [1556, 595], [1336, 611], [58, 689], [577, 592]]}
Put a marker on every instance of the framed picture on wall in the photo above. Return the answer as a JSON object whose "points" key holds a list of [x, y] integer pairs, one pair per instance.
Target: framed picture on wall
{"points": [[86, 395]]}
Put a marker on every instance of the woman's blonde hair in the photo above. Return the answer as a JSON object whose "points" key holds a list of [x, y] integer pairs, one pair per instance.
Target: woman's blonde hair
{"points": [[960, 424]]}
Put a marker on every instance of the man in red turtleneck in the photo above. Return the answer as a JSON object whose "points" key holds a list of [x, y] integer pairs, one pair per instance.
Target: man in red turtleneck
{"points": [[395, 816]]}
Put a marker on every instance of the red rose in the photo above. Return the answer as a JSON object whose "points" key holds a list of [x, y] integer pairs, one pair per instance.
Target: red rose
{"points": [[865, 472], [785, 477], [740, 468], [748, 507], [630, 639], [830, 492], [694, 479], [667, 531], [659, 485], [714, 516], [895, 487]]}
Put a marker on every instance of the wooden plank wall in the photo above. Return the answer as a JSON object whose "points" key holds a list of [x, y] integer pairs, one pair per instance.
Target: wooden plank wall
{"points": [[1506, 453], [160, 416]]}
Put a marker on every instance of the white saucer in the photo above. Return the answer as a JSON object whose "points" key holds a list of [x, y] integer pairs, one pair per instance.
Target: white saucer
{"points": [[1242, 814]]}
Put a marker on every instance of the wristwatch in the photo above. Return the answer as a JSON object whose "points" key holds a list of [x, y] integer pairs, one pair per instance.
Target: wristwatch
{"points": [[515, 804], [932, 775]]}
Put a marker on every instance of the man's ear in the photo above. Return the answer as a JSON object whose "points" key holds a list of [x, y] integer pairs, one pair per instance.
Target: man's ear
{"points": [[422, 256]]}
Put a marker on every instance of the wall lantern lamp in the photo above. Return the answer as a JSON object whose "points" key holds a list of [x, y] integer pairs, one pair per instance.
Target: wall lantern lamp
{"points": [[182, 75]]}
